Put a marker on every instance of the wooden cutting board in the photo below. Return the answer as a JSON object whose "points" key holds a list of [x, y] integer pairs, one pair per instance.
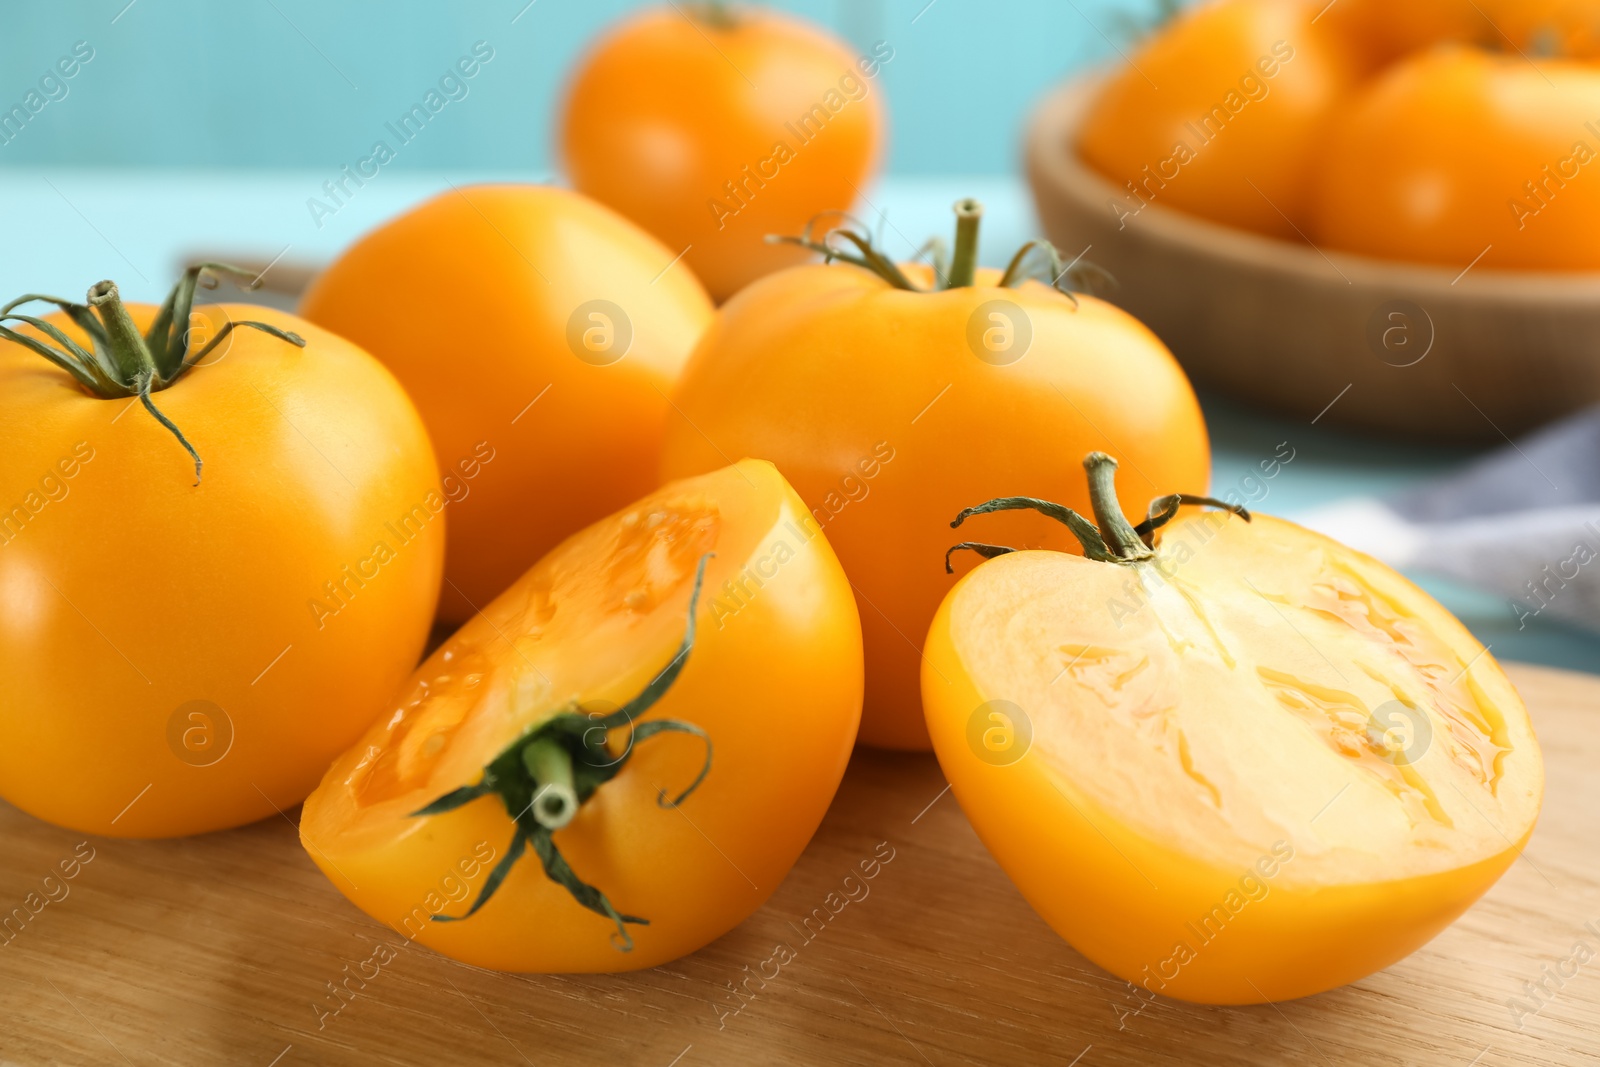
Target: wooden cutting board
{"points": [[219, 949]]}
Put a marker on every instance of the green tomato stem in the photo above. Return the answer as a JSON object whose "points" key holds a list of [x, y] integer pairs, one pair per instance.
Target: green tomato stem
{"points": [[1114, 540], [123, 363], [556, 801], [718, 14], [1119, 534], [544, 776], [126, 348], [1037, 260], [964, 261]]}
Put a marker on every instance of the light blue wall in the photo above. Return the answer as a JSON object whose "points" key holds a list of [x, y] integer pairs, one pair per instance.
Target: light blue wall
{"points": [[310, 83]]}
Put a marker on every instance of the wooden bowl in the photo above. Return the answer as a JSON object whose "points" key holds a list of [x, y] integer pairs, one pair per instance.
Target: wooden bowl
{"points": [[1463, 355]]}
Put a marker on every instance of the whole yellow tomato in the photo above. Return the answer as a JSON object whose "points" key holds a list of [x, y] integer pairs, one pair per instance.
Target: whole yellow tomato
{"points": [[539, 334], [1383, 31], [1220, 113], [889, 405], [181, 649], [713, 126], [1536, 28], [1459, 156], [1245, 765], [534, 728]]}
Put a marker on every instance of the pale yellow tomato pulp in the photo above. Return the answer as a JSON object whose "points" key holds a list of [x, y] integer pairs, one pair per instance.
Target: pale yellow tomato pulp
{"points": [[774, 678], [1273, 769]]}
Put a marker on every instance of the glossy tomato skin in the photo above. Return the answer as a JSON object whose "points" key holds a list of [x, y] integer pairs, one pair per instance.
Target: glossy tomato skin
{"points": [[1401, 179], [539, 334], [712, 137], [875, 405], [1240, 858], [1219, 114], [177, 658], [774, 678]]}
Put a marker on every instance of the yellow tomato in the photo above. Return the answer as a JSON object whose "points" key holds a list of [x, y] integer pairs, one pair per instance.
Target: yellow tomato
{"points": [[1383, 30], [770, 684], [1458, 154], [890, 408], [714, 126], [1249, 766], [1537, 28], [1220, 114], [539, 334], [176, 655]]}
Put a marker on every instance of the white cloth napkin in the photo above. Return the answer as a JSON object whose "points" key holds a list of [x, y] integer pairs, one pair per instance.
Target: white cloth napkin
{"points": [[1522, 522]]}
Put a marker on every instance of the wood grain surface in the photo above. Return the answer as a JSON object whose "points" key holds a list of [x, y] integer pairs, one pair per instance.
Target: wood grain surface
{"points": [[221, 949]]}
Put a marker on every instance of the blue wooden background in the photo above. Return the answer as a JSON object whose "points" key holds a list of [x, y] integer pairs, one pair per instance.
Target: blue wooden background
{"points": [[310, 83]]}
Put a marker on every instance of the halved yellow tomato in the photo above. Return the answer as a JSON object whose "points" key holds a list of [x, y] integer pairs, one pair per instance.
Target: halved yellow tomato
{"points": [[713, 612], [1248, 764]]}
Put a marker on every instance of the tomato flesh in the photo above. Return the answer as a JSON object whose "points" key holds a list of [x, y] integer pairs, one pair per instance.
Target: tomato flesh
{"points": [[774, 678], [1261, 767]]}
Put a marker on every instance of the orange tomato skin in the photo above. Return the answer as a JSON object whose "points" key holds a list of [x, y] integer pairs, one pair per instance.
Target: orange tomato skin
{"points": [[678, 124], [1547, 27], [132, 592], [1535, 27], [1220, 113], [479, 302], [1385, 31], [872, 403], [774, 680], [1401, 177]]}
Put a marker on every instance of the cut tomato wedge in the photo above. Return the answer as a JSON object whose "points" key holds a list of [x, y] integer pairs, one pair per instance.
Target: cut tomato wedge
{"points": [[762, 695]]}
